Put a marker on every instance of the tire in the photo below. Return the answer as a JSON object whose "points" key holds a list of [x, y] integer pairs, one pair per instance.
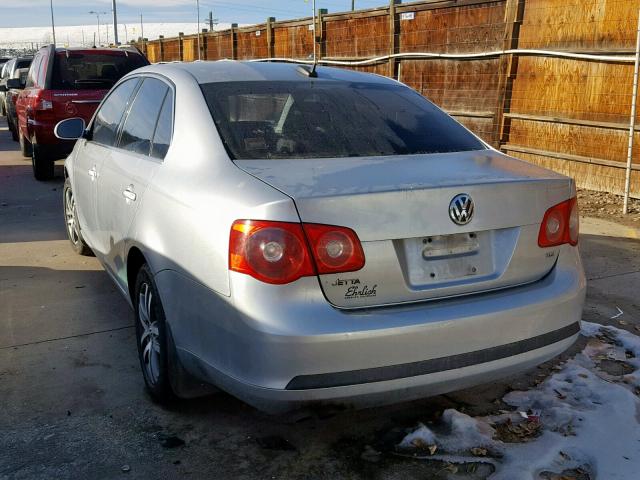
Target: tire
{"points": [[41, 163], [25, 145], [12, 129], [71, 222], [152, 338]]}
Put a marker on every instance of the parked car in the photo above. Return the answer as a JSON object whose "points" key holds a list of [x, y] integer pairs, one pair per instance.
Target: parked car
{"points": [[14, 86], [7, 72], [3, 69], [63, 83], [337, 239]]}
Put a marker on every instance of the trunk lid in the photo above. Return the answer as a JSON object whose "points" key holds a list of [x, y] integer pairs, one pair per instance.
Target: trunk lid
{"points": [[76, 103], [399, 207]]}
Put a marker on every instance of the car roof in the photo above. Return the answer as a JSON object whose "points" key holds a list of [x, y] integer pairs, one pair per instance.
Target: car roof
{"points": [[98, 49], [242, 71]]}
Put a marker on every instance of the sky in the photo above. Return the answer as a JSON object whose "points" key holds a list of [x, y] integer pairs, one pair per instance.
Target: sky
{"points": [[36, 13]]}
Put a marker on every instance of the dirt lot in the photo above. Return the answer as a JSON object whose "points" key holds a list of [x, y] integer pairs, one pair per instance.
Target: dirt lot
{"points": [[608, 207], [73, 405]]}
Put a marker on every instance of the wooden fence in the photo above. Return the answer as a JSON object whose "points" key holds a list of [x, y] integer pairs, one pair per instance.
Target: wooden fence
{"points": [[567, 114]]}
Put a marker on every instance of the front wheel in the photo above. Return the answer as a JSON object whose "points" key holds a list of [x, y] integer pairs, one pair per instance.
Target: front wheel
{"points": [[71, 220], [152, 339]]}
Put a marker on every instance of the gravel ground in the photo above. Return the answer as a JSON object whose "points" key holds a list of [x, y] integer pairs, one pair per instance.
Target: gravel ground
{"points": [[609, 207]]}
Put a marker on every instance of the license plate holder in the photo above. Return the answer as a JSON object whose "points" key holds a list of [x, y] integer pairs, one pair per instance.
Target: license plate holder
{"points": [[457, 244], [438, 260]]}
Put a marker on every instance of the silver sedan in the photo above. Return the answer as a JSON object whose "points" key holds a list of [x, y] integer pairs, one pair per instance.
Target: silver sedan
{"points": [[293, 235]]}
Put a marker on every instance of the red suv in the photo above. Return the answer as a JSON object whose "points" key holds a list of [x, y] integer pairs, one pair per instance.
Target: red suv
{"points": [[64, 83]]}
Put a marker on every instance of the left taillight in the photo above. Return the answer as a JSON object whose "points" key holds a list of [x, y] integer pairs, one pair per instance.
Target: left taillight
{"points": [[44, 101], [560, 225], [282, 252]]}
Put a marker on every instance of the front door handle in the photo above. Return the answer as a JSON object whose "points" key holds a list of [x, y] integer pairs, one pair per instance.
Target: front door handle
{"points": [[129, 194], [93, 173]]}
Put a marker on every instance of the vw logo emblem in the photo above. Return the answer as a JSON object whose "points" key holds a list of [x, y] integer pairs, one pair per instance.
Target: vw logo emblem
{"points": [[461, 209]]}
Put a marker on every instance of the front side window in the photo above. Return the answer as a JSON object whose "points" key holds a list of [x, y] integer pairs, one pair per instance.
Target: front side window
{"points": [[74, 70], [138, 128], [107, 119], [307, 119]]}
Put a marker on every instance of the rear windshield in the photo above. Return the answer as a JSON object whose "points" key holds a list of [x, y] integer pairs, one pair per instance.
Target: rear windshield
{"points": [[87, 70], [312, 119]]}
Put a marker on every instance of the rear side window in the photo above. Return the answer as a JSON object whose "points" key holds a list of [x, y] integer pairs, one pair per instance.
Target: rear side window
{"points": [[4, 71], [33, 71], [92, 70], [164, 128], [137, 132], [107, 119], [325, 118]]}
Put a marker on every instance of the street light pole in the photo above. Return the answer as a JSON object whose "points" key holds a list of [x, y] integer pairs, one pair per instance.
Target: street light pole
{"points": [[53, 26], [97, 14], [115, 22]]}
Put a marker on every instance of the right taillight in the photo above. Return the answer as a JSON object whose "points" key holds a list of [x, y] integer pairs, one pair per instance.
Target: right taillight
{"points": [[279, 252], [335, 249], [560, 225]]}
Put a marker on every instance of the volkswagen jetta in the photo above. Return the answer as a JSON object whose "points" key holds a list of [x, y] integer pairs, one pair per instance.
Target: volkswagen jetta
{"points": [[294, 238]]}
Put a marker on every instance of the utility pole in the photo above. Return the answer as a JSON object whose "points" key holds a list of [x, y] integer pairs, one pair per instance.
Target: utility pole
{"points": [[314, 33], [210, 21], [198, 29], [53, 26], [141, 29], [353, 5], [115, 22]]}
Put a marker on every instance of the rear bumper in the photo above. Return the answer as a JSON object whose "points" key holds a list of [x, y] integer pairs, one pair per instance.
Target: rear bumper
{"points": [[283, 349]]}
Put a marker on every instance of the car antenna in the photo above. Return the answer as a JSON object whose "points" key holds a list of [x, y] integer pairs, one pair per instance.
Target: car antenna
{"points": [[311, 72]]}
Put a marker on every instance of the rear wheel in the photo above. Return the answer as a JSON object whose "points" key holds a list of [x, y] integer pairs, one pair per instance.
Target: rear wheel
{"points": [[71, 221], [25, 145], [42, 164], [12, 129], [152, 338]]}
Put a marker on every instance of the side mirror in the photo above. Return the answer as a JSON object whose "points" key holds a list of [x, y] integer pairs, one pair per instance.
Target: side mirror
{"points": [[3, 88], [14, 83], [70, 129]]}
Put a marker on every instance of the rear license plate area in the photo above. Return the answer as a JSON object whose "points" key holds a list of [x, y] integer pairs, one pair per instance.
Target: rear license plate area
{"points": [[442, 259], [458, 244]]}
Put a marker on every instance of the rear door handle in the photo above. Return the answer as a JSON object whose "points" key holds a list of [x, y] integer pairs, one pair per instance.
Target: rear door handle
{"points": [[129, 194], [93, 173]]}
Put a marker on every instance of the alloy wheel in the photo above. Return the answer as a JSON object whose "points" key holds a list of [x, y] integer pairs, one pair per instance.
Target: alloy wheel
{"points": [[149, 337], [71, 216]]}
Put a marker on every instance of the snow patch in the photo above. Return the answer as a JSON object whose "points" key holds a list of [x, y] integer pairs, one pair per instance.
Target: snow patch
{"points": [[589, 419]]}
